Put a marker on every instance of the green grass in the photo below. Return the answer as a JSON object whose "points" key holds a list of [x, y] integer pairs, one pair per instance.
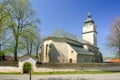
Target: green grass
{"points": [[66, 72], [10, 73], [74, 72]]}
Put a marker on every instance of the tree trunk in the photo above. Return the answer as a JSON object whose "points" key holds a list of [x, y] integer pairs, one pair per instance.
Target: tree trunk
{"points": [[37, 51], [0, 42], [31, 44], [0, 46], [119, 54], [27, 47], [15, 49]]}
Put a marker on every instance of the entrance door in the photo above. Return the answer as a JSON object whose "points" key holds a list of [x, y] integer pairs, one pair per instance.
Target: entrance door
{"points": [[27, 67], [70, 60]]}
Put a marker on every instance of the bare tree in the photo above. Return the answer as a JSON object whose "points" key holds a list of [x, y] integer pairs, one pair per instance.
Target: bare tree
{"points": [[37, 44], [27, 39], [113, 39], [30, 40], [21, 16]]}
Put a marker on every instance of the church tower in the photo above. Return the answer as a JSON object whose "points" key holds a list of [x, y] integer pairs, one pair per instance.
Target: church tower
{"points": [[89, 30]]}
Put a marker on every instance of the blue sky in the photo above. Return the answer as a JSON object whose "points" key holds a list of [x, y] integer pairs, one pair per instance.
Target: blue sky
{"points": [[70, 15]]}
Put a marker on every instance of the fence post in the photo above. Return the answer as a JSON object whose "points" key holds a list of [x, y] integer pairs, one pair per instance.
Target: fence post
{"points": [[30, 74]]}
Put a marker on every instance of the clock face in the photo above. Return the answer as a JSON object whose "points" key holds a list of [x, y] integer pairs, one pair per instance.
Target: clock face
{"points": [[88, 28]]}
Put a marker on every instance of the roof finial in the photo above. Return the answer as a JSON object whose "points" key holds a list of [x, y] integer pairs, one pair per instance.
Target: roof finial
{"points": [[89, 19], [89, 15]]}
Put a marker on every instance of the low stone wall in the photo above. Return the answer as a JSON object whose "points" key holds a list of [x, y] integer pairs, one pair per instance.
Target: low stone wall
{"points": [[78, 67], [9, 69], [52, 69], [65, 67], [85, 69]]}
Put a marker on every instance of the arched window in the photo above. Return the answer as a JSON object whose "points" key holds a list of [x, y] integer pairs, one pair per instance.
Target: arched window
{"points": [[46, 50]]}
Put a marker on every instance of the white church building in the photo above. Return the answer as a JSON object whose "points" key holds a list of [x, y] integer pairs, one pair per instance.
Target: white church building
{"points": [[64, 47]]}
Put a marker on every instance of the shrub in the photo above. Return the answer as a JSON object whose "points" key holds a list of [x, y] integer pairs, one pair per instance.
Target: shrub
{"points": [[9, 63], [27, 67], [2, 56], [2, 53]]}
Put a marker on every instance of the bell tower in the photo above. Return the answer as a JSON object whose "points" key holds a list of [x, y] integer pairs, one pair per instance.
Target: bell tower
{"points": [[89, 30]]}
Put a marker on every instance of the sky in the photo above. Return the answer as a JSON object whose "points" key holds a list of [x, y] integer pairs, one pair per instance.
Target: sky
{"points": [[69, 15]]}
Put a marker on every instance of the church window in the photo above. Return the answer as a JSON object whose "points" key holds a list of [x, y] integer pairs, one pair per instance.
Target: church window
{"points": [[71, 51], [70, 60], [46, 49], [50, 47]]}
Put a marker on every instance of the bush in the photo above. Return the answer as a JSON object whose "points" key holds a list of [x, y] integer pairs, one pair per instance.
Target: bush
{"points": [[2, 56], [27, 67], [9, 63], [2, 53]]}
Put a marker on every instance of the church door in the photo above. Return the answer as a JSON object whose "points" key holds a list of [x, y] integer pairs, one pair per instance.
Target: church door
{"points": [[70, 61]]}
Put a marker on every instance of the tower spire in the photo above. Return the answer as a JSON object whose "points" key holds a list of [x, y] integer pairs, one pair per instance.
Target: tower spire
{"points": [[89, 19], [89, 15]]}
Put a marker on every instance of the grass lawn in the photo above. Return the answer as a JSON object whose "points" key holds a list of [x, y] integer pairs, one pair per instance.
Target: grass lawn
{"points": [[10, 73], [74, 72]]}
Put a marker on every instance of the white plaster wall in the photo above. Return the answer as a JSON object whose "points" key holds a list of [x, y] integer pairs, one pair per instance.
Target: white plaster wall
{"points": [[90, 37], [60, 46], [47, 42], [89, 27], [63, 51], [9, 69], [16, 69], [86, 47]]}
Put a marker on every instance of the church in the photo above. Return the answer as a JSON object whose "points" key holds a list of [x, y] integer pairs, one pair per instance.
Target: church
{"points": [[64, 47]]}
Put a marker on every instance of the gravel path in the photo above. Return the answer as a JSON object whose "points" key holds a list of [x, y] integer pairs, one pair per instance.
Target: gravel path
{"points": [[63, 77]]}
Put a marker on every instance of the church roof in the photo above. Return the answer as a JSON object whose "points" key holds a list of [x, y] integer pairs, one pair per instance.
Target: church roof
{"points": [[58, 33], [25, 56], [81, 50]]}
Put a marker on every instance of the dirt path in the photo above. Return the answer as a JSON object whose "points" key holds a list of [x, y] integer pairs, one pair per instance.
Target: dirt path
{"points": [[63, 77]]}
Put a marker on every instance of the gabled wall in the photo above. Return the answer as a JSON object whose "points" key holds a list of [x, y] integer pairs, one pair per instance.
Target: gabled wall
{"points": [[72, 54], [27, 59], [56, 52]]}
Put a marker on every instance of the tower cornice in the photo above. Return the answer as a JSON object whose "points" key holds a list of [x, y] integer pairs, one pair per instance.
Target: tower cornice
{"points": [[89, 32]]}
